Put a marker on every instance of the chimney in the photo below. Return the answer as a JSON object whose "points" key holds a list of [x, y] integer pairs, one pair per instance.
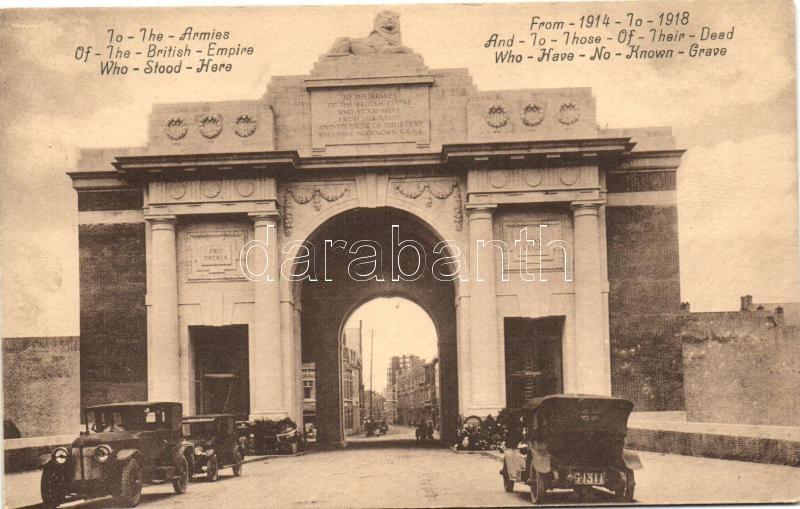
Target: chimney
{"points": [[747, 302]]}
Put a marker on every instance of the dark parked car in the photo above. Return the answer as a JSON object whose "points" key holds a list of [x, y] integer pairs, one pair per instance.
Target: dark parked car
{"points": [[574, 442], [215, 442], [125, 445]]}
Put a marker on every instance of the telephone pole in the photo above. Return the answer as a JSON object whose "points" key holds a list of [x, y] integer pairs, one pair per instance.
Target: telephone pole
{"points": [[371, 363]]}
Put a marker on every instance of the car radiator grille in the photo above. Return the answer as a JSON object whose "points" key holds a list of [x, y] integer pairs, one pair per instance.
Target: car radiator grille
{"points": [[77, 460]]}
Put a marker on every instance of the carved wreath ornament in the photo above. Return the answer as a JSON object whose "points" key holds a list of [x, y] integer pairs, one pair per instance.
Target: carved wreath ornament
{"points": [[568, 113], [532, 114], [497, 116], [176, 128], [245, 126], [303, 195], [211, 126]]}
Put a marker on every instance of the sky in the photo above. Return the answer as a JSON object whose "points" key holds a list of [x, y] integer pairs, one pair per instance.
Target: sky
{"points": [[399, 327], [735, 116]]}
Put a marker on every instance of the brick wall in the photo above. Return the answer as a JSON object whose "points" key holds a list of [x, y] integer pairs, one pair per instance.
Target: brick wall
{"points": [[644, 306], [41, 384], [113, 317], [741, 368]]}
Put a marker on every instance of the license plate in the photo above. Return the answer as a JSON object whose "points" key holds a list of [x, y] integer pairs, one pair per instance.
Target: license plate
{"points": [[591, 478]]}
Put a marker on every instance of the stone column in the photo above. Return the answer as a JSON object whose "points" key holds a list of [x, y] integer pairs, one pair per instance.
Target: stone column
{"points": [[287, 345], [463, 353], [486, 362], [163, 342], [265, 343], [591, 374]]}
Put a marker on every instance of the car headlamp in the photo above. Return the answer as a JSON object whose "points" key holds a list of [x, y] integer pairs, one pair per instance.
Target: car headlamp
{"points": [[60, 455], [102, 453], [198, 450]]}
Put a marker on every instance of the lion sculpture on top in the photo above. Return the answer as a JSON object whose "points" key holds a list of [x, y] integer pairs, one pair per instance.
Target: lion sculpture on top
{"points": [[384, 38]]}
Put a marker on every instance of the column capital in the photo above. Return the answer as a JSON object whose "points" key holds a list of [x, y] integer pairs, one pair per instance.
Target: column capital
{"points": [[586, 208], [476, 211], [266, 216], [165, 222]]}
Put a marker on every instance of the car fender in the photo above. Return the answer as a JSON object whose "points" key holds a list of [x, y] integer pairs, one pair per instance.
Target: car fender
{"points": [[126, 454], [541, 457], [186, 450], [515, 464], [631, 460], [44, 459]]}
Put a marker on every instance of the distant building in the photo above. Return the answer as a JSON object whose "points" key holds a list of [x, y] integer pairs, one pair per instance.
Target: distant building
{"points": [[352, 384], [430, 401], [412, 390], [378, 403], [391, 389], [309, 396]]}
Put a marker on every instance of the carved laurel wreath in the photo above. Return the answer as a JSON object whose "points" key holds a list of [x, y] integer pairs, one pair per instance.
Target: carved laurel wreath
{"points": [[303, 195], [532, 114], [245, 126], [568, 113], [176, 128], [497, 116], [211, 126]]}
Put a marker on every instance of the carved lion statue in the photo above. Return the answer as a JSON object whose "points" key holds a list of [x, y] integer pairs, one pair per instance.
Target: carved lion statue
{"points": [[384, 38]]}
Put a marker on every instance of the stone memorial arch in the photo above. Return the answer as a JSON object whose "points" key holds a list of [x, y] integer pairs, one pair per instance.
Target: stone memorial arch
{"points": [[370, 138]]}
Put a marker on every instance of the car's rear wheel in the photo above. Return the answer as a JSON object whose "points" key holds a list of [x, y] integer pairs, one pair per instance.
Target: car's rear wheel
{"points": [[130, 489], [627, 484], [238, 461], [181, 479], [508, 484], [53, 486], [538, 485], [212, 469]]}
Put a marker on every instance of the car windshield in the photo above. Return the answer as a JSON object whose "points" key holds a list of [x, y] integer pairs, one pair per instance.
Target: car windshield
{"points": [[133, 419], [198, 429]]}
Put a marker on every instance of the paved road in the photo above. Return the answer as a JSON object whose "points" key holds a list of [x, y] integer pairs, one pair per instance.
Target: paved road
{"points": [[417, 476], [395, 432]]}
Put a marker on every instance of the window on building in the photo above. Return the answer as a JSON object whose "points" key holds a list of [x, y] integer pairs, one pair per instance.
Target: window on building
{"points": [[308, 389], [348, 384]]}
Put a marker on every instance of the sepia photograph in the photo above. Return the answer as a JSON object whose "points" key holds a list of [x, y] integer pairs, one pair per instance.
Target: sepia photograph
{"points": [[400, 255]]}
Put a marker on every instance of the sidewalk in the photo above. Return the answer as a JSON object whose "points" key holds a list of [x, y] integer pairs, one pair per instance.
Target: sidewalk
{"points": [[671, 433]]}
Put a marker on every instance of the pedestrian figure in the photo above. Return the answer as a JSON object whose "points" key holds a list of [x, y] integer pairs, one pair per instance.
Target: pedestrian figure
{"points": [[422, 431]]}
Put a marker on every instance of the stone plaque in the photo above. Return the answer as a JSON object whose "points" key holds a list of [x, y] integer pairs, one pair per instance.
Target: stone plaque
{"points": [[367, 115], [215, 255], [551, 257]]}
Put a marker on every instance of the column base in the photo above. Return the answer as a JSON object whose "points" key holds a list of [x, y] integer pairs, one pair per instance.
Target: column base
{"points": [[481, 411], [274, 415]]}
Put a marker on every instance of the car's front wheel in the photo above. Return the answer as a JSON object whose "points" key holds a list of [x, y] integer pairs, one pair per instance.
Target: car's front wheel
{"points": [[181, 479], [212, 468], [538, 485], [130, 489], [53, 486]]}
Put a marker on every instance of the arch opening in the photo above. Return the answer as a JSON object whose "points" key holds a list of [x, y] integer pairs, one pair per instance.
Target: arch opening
{"points": [[395, 386], [334, 297]]}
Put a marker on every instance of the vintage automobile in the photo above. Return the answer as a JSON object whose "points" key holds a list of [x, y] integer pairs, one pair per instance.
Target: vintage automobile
{"points": [[573, 441], [124, 446], [215, 442]]}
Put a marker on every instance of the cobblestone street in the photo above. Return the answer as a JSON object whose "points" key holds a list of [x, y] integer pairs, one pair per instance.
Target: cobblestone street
{"points": [[387, 476]]}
